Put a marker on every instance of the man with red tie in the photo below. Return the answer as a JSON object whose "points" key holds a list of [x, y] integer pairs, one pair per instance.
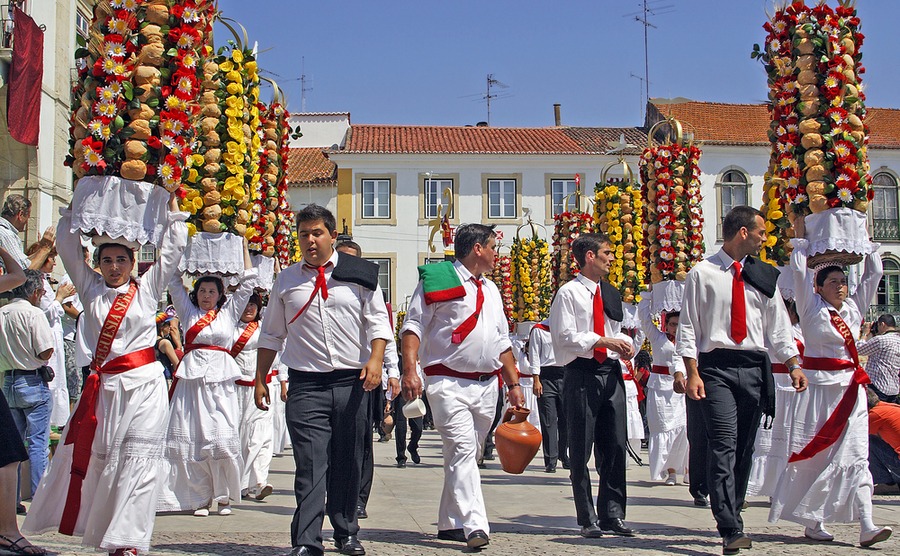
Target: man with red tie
{"points": [[328, 314], [731, 311], [456, 328], [585, 318]]}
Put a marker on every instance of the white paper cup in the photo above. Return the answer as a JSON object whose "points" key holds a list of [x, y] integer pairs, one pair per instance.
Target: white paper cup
{"points": [[414, 409]]}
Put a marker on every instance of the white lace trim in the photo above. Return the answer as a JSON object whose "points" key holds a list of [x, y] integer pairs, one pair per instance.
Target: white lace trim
{"points": [[666, 296], [839, 229], [786, 282], [631, 319], [220, 254], [129, 212]]}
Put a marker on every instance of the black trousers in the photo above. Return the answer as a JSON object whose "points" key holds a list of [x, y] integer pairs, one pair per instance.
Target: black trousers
{"points": [[375, 414], [415, 427], [698, 450], [552, 413], [731, 411], [326, 417], [595, 415]]}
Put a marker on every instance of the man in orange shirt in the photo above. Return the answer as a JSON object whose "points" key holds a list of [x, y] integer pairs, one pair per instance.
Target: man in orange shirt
{"points": [[884, 444]]}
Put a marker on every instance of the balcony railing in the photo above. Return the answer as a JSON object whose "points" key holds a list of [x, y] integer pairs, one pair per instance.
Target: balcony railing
{"points": [[886, 229]]}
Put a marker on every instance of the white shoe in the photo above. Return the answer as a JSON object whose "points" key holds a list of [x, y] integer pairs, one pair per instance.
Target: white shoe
{"points": [[224, 510], [880, 534], [264, 492], [819, 534], [202, 512], [671, 481]]}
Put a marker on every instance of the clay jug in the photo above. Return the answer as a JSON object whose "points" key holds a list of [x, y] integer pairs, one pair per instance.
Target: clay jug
{"points": [[517, 440]]}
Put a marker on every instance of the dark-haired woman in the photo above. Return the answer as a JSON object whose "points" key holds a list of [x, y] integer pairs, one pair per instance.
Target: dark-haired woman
{"points": [[256, 424], [202, 444], [104, 479], [827, 477]]}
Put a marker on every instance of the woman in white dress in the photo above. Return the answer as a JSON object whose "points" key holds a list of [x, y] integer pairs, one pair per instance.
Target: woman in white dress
{"points": [[666, 413], [203, 448], [122, 459], [256, 425], [827, 478]]}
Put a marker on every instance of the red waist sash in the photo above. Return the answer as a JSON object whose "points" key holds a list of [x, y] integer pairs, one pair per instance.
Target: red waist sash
{"points": [[187, 349], [659, 369], [442, 370], [83, 426], [269, 376]]}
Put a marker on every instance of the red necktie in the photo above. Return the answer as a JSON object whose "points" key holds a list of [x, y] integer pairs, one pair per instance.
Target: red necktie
{"points": [[599, 324], [738, 306], [468, 325], [321, 286]]}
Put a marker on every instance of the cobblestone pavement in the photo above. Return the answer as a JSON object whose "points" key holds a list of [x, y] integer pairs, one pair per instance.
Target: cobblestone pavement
{"points": [[531, 514]]}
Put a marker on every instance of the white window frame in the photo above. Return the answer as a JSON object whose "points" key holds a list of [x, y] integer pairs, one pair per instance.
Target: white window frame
{"points": [[434, 192], [722, 185], [504, 188], [885, 206], [384, 215], [558, 206]]}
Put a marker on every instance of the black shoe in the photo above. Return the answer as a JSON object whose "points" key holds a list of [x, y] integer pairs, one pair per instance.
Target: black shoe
{"points": [[304, 551], [350, 546], [732, 543], [477, 539], [457, 535], [549, 469], [481, 464], [20, 509], [616, 526], [401, 464], [414, 455], [701, 501], [361, 512], [489, 455], [565, 464], [592, 531]]}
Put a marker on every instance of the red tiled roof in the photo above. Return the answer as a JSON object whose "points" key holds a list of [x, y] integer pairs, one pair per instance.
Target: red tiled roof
{"points": [[394, 139], [602, 139], [310, 166], [747, 124]]}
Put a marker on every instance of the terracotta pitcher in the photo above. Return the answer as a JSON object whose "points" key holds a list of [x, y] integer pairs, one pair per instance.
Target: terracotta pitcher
{"points": [[517, 440]]}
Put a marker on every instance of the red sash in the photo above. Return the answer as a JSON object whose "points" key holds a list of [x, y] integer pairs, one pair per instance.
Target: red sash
{"points": [[244, 338], [269, 377], [83, 424], [190, 346], [834, 426], [659, 370], [629, 375], [781, 368]]}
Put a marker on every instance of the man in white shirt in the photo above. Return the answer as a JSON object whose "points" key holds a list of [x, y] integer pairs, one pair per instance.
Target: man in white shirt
{"points": [[14, 218], [585, 318], [460, 335], [731, 311], [26, 344], [329, 316], [551, 406]]}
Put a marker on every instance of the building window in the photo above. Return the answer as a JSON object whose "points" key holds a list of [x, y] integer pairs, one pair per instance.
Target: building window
{"points": [[376, 198], [885, 211], [434, 196], [82, 25], [887, 300], [147, 254], [733, 190], [384, 276], [501, 198], [559, 190]]}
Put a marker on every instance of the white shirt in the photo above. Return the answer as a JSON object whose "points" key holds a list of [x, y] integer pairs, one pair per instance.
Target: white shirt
{"points": [[663, 350], [138, 328], [336, 333], [705, 321], [68, 323], [24, 333], [209, 364], [246, 359], [821, 337], [434, 324], [540, 348], [572, 321]]}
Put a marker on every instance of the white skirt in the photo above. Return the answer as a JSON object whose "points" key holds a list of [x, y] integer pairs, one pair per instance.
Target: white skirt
{"points": [[203, 450], [827, 486], [124, 475], [667, 420], [770, 452], [256, 440], [633, 419], [280, 436], [665, 409]]}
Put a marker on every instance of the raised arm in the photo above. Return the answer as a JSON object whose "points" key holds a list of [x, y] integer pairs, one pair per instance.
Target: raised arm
{"points": [[804, 288], [653, 333], [873, 270], [171, 250], [181, 300], [69, 246]]}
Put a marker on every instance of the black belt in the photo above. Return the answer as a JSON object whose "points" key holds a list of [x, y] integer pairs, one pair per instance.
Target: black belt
{"points": [[22, 372], [591, 365]]}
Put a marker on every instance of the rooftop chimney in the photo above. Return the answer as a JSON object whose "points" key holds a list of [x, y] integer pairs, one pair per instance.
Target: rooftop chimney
{"points": [[556, 115]]}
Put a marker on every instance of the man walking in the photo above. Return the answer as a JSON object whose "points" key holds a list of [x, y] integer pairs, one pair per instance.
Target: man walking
{"points": [[26, 345], [456, 327], [882, 347], [585, 318], [335, 352], [731, 309], [14, 218], [551, 408]]}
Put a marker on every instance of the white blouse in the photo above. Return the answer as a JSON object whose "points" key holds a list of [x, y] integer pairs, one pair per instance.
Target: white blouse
{"points": [[663, 350]]}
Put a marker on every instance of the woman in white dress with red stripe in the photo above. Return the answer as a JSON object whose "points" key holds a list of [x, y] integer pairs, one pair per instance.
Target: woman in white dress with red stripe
{"points": [[122, 459], [827, 478], [203, 443], [256, 425]]}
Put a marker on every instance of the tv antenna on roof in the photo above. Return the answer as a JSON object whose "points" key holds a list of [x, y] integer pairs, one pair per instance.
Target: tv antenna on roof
{"points": [[491, 82], [643, 17], [303, 87]]}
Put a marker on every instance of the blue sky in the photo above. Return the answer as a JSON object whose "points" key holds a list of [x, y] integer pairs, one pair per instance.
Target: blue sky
{"points": [[426, 61]]}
